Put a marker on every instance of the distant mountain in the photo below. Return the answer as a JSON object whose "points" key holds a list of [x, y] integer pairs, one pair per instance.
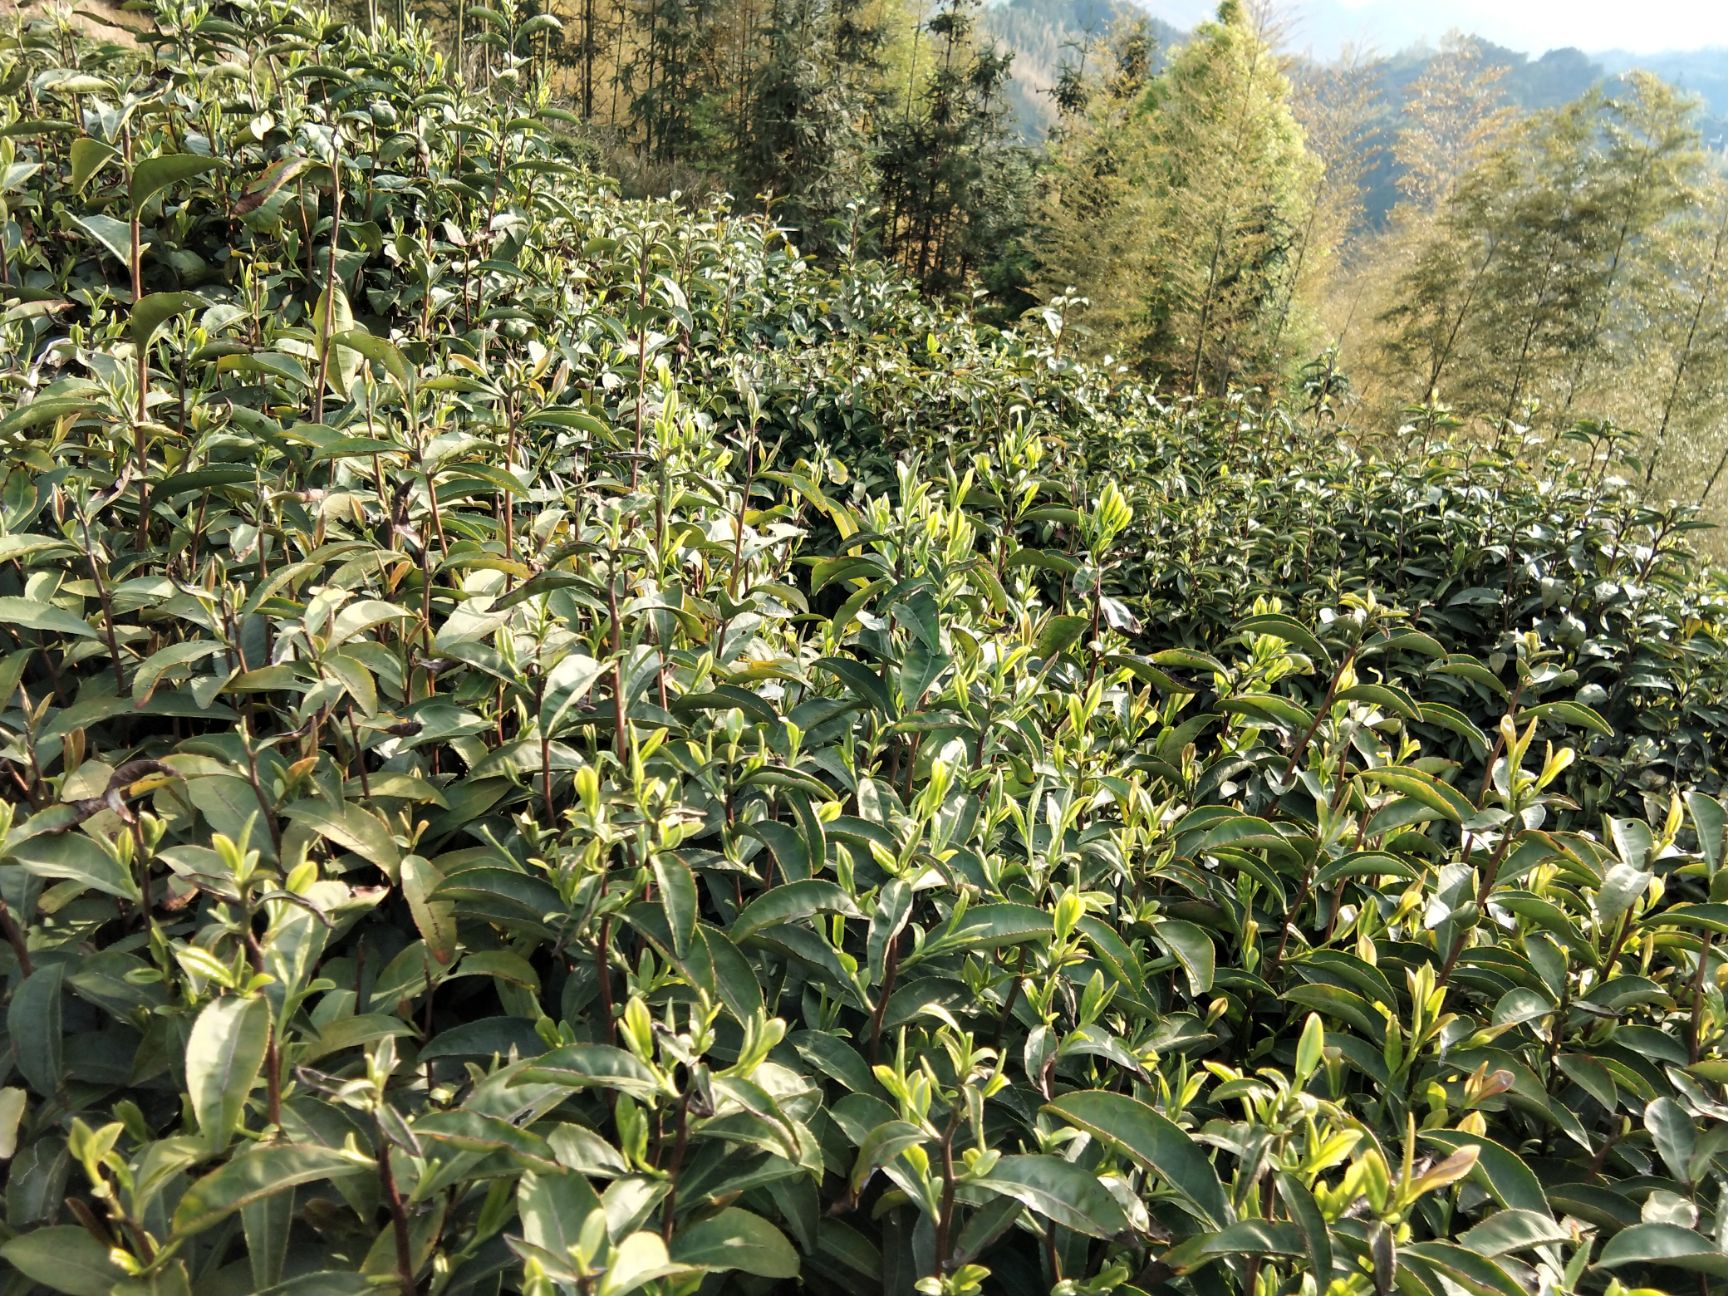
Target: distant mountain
{"points": [[1045, 34], [1324, 27]]}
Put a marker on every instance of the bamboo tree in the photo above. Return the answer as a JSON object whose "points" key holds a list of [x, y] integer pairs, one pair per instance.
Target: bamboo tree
{"points": [[1684, 357], [1227, 173], [1557, 217], [1455, 114], [1653, 156], [1438, 294], [953, 182], [1091, 211], [588, 49], [1338, 113]]}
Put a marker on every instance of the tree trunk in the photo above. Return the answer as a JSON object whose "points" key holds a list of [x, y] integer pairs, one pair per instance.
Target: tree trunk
{"points": [[1685, 356]]}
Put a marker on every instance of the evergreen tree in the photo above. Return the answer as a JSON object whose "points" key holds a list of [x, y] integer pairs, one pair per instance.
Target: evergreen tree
{"points": [[1454, 113], [589, 40], [954, 184], [809, 140], [1186, 209]]}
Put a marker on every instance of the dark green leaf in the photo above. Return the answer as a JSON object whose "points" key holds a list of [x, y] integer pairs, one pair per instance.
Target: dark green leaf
{"points": [[1153, 1141], [259, 1173], [1058, 1190], [33, 1026], [732, 1238], [151, 176], [1664, 1245], [64, 1258]]}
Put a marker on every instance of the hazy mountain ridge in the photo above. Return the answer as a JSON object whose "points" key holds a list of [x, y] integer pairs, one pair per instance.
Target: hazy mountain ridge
{"points": [[1325, 27], [1702, 72]]}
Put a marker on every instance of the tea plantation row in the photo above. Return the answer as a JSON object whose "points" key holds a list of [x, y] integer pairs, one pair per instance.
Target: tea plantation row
{"points": [[554, 745]]}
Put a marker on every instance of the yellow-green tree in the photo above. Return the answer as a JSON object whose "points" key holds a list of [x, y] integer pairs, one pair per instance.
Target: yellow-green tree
{"points": [[1229, 175], [1560, 273], [1219, 185]]}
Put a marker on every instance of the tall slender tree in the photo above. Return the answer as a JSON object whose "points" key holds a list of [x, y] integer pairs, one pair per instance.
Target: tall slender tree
{"points": [[1651, 166], [808, 138], [1694, 381], [1091, 211], [1226, 178], [953, 181], [1337, 107], [1455, 114], [1523, 297]]}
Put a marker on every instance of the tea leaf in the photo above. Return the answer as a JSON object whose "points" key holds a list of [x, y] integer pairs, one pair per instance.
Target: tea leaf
{"points": [[224, 1055]]}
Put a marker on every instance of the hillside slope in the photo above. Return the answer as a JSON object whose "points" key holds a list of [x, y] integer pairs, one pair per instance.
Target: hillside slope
{"points": [[554, 744], [1046, 36]]}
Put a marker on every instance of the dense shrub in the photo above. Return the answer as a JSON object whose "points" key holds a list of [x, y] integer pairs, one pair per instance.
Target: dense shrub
{"points": [[556, 745]]}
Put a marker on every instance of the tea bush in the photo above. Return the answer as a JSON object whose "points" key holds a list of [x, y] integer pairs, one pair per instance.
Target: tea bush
{"points": [[554, 745]]}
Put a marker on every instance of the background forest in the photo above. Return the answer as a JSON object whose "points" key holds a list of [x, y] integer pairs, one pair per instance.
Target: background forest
{"points": [[1462, 235]]}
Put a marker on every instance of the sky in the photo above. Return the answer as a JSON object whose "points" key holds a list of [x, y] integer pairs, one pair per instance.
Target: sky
{"points": [[1532, 26]]}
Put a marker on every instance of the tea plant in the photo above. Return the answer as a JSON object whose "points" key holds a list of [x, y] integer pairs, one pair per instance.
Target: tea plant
{"points": [[555, 745]]}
